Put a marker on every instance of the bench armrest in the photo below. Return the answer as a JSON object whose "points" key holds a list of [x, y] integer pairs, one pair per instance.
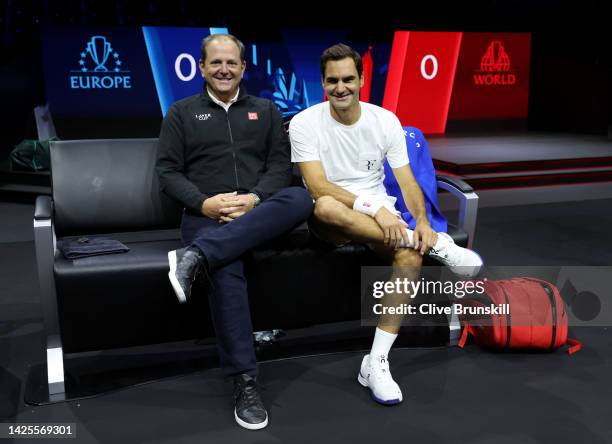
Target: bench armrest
{"points": [[468, 202], [43, 208], [45, 245]]}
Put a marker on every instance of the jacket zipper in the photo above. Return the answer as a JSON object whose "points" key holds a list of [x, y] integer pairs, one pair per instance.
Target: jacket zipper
{"points": [[553, 304], [229, 127]]}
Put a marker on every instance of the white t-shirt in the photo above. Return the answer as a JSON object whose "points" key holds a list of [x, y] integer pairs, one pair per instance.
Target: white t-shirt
{"points": [[352, 156]]}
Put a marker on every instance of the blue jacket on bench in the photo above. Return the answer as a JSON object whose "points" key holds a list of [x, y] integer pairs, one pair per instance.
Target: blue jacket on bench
{"points": [[425, 175]]}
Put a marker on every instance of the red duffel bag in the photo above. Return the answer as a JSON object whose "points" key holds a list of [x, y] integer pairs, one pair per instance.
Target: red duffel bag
{"points": [[532, 316]]}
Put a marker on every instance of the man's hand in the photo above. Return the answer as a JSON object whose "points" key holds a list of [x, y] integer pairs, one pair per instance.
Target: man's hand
{"points": [[246, 202], [227, 206], [394, 228], [424, 236]]}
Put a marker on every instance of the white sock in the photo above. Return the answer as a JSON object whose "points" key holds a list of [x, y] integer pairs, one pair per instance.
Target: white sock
{"points": [[382, 343]]}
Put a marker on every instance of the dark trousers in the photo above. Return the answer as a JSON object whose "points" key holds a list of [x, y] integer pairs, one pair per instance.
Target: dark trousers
{"points": [[223, 245]]}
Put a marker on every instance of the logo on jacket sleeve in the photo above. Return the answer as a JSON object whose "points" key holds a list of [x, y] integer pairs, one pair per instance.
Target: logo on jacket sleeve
{"points": [[253, 116]]}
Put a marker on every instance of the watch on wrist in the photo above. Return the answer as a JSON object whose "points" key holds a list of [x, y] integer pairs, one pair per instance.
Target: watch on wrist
{"points": [[256, 199]]}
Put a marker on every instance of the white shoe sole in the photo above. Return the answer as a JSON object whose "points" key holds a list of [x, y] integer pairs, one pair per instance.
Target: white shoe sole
{"points": [[178, 290], [364, 382], [248, 426], [472, 270]]}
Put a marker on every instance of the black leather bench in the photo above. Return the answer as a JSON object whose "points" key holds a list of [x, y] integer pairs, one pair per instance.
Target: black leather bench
{"points": [[109, 188]]}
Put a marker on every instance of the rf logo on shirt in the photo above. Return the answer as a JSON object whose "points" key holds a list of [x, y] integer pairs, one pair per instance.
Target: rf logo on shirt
{"points": [[369, 161]]}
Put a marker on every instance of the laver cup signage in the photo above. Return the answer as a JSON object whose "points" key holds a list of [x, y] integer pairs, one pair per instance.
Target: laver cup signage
{"points": [[96, 72], [120, 72], [437, 77], [100, 66], [492, 79], [495, 67], [119, 76]]}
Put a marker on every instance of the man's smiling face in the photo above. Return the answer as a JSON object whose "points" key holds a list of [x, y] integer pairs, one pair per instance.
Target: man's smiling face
{"points": [[342, 84], [222, 68]]}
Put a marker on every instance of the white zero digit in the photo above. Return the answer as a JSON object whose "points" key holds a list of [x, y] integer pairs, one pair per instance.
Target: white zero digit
{"points": [[434, 62], [177, 67]]}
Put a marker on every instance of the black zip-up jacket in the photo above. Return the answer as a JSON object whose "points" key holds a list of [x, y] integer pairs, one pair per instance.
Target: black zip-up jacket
{"points": [[204, 150]]}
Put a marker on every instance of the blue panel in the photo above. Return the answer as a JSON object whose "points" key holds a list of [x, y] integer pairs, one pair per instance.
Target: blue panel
{"points": [[174, 54], [219, 31], [289, 72]]}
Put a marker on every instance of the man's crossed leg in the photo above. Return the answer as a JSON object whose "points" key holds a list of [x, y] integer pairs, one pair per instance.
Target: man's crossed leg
{"points": [[334, 222]]}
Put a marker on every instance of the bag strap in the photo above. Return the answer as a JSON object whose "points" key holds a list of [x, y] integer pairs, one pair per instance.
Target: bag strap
{"points": [[576, 346], [467, 330]]}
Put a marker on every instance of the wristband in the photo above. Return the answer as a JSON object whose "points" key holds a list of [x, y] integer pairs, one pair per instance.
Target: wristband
{"points": [[367, 205]]}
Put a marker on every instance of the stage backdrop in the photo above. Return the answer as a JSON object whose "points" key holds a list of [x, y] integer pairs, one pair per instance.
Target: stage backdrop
{"points": [[114, 76], [440, 77]]}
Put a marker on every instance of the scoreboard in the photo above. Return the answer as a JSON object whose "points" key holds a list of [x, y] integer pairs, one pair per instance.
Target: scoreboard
{"points": [[429, 79], [436, 77]]}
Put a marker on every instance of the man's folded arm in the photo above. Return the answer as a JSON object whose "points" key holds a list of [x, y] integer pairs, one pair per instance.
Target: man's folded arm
{"points": [[170, 164], [277, 174], [318, 185]]}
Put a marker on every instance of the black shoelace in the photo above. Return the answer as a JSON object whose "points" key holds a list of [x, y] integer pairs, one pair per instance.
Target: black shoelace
{"points": [[248, 395]]}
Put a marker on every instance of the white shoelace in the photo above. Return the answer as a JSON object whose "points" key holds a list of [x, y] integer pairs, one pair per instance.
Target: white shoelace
{"points": [[452, 260], [382, 372]]}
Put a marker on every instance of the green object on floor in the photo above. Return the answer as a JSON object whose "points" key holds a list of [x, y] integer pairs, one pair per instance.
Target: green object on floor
{"points": [[31, 155]]}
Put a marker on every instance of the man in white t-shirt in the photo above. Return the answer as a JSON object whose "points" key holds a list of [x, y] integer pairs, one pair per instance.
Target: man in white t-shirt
{"points": [[340, 147]]}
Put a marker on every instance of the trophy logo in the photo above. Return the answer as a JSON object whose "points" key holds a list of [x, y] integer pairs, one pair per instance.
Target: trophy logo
{"points": [[99, 50], [100, 67], [495, 67], [495, 59]]}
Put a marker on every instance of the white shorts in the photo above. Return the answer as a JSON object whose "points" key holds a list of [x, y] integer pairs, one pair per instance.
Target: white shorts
{"points": [[389, 203]]}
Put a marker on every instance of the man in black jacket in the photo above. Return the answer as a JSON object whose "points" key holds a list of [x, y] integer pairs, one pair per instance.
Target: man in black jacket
{"points": [[225, 156]]}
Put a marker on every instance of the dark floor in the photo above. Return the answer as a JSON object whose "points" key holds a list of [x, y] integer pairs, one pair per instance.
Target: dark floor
{"points": [[451, 395]]}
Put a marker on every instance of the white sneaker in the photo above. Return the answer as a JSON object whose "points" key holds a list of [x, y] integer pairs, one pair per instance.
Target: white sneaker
{"points": [[375, 374], [461, 261]]}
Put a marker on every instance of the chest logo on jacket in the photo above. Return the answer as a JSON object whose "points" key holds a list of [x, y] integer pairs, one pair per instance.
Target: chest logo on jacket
{"points": [[204, 116], [253, 116]]}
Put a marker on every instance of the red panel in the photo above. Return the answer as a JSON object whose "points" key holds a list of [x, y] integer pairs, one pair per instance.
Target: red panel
{"points": [[396, 70], [368, 68], [492, 80], [420, 79]]}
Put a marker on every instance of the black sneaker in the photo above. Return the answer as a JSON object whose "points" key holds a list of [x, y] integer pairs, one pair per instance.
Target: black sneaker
{"points": [[249, 412], [185, 264]]}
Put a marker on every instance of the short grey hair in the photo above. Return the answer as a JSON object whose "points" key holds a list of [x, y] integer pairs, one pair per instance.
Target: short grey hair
{"points": [[211, 38]]}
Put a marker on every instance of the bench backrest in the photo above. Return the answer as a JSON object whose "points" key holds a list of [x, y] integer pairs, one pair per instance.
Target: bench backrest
{"points": [[103, 186]]}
